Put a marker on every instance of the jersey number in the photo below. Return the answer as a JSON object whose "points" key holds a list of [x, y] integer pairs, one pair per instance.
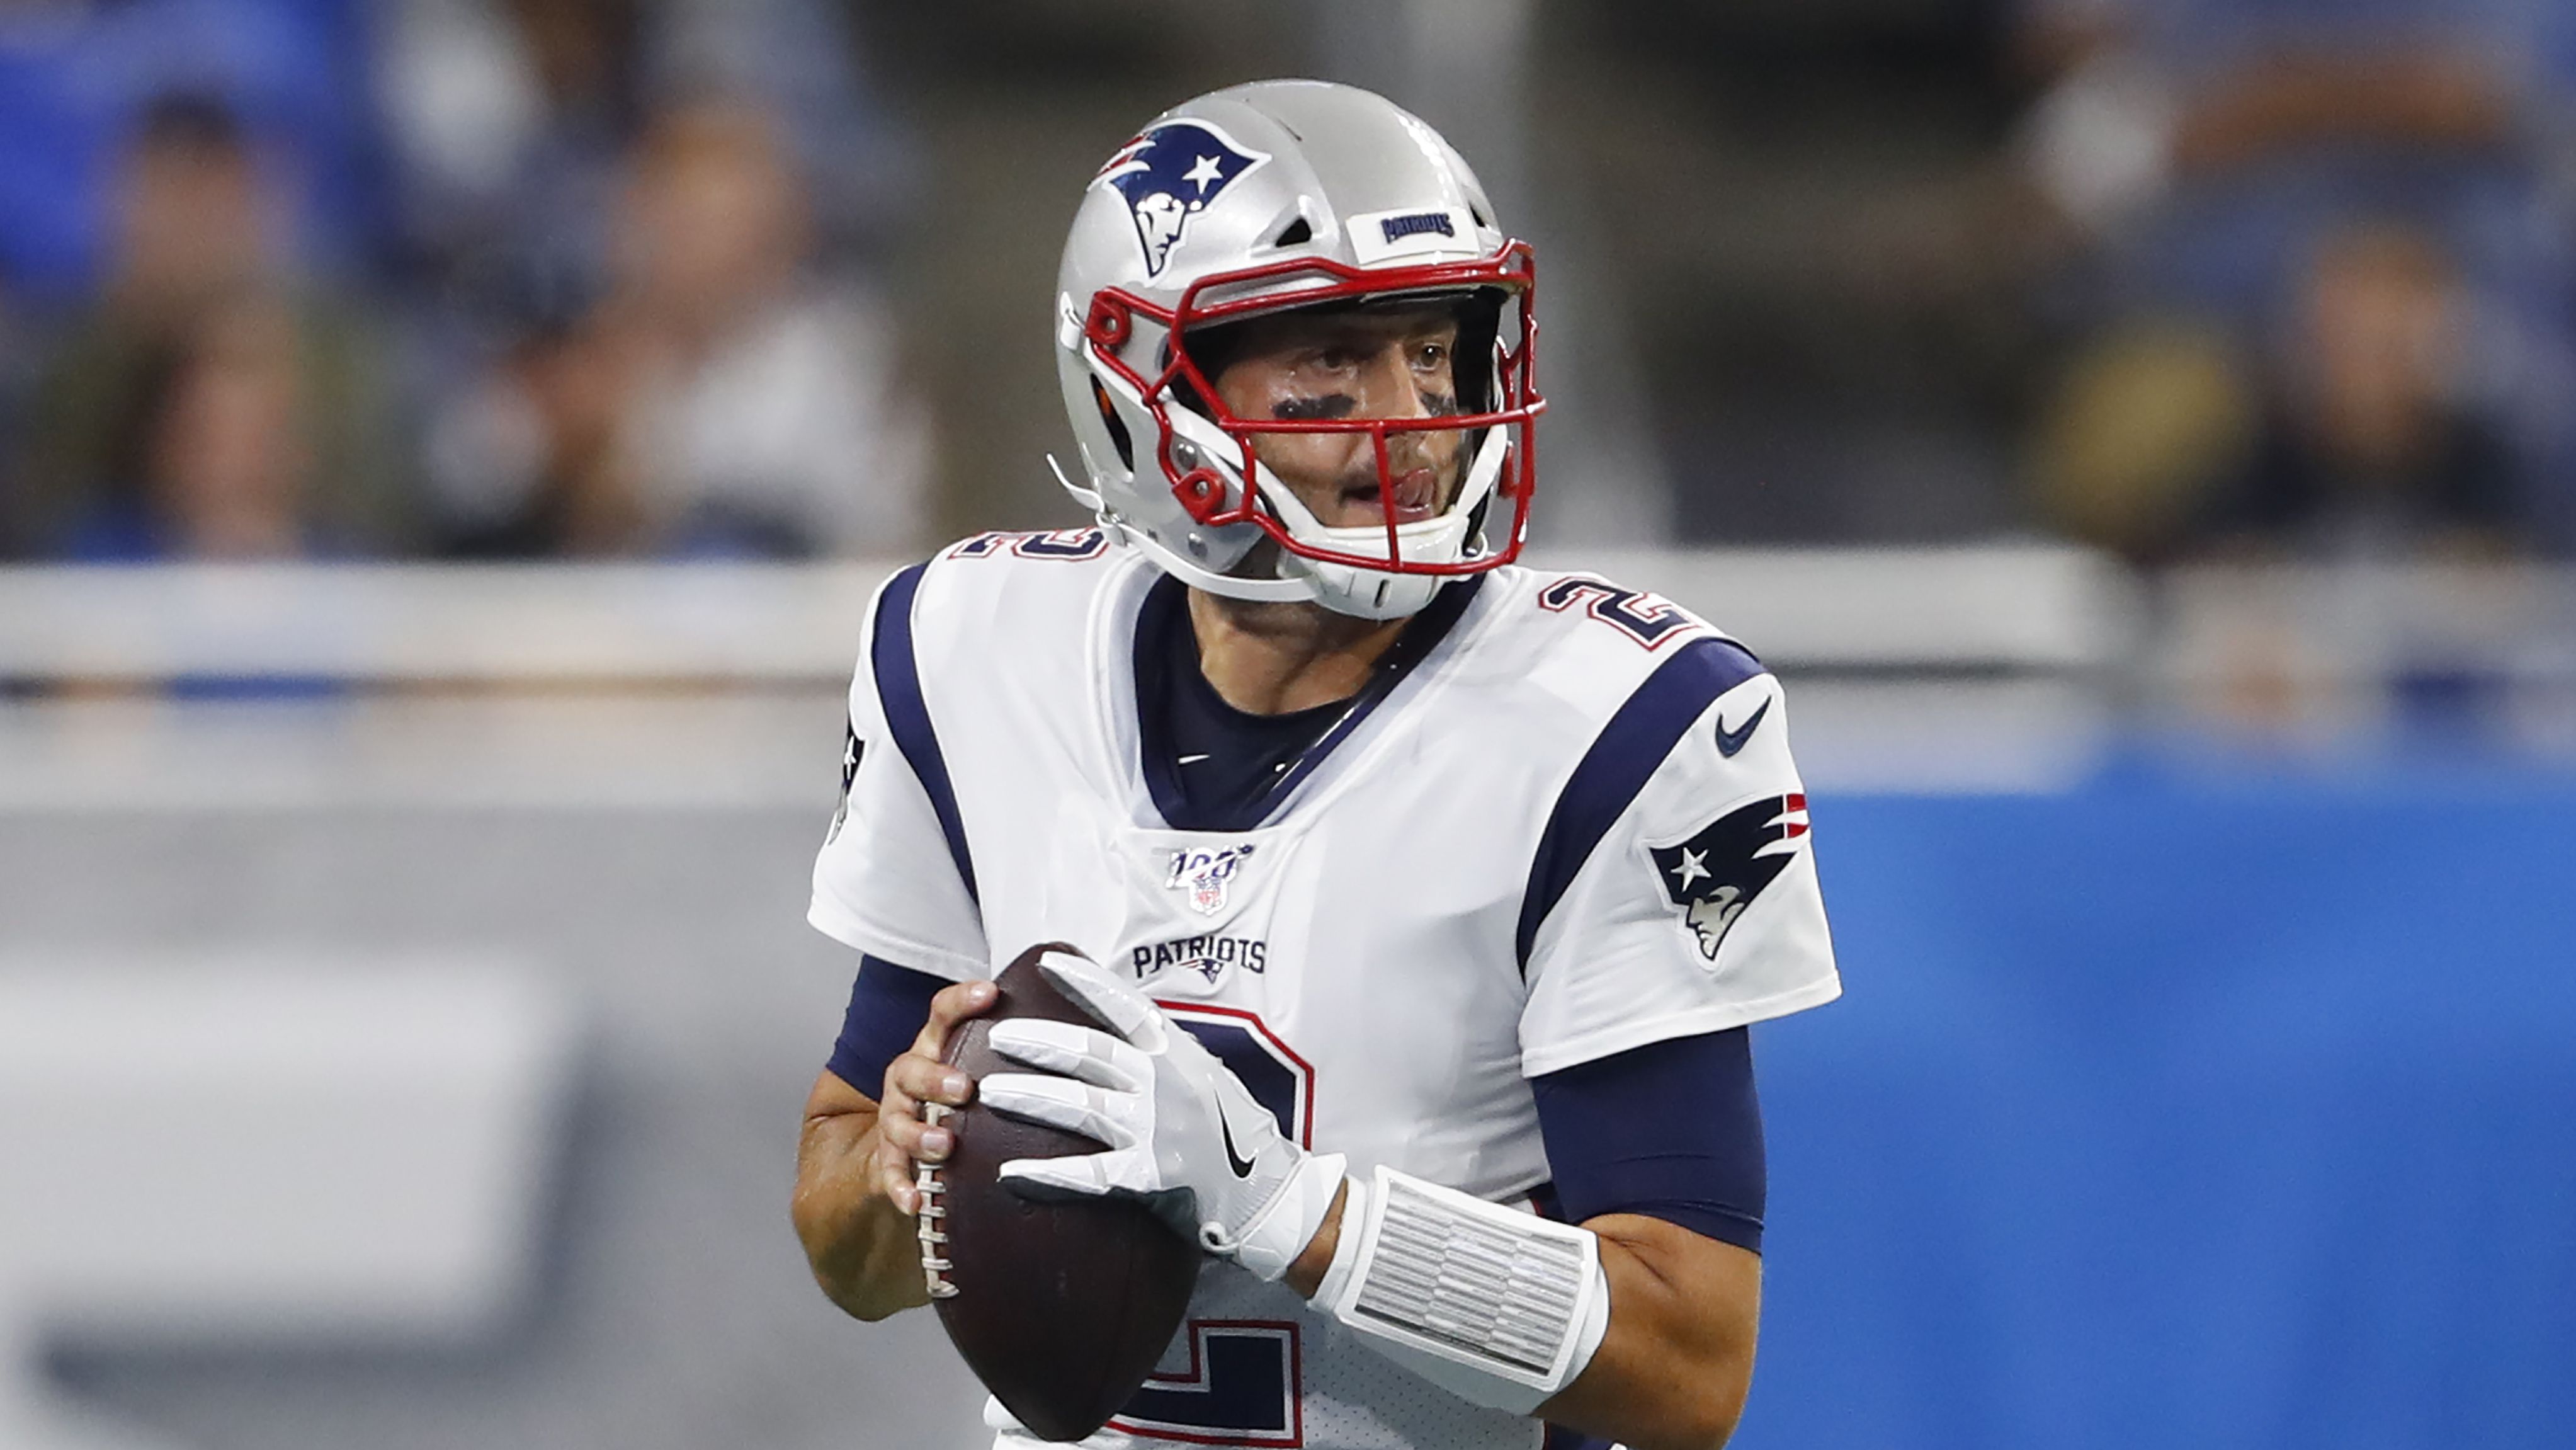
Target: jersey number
{"points": [[1240, 1389], [1649, 619], [1242, 1386], [1050, 544]]}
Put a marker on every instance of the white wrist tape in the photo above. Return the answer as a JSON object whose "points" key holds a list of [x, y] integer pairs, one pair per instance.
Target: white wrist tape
{"points": [[1273, 1241], [1499, 1307]]}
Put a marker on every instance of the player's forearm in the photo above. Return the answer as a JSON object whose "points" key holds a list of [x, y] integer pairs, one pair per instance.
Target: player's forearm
{"points": [[1306, 1275], [863, 1250], [1672, 1372], [1664, 1365]]}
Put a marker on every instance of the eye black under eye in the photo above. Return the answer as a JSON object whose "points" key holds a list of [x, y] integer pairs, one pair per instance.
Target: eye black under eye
{"points": [[1330, 405]]}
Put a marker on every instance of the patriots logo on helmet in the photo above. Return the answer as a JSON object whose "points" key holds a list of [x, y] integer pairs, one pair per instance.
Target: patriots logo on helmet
{"points": [[1169, 175], [1711, 876]]}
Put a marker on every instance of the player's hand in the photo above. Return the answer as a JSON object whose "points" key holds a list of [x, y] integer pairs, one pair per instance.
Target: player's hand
{"points": [[1184, 1134], [916, 1078]]}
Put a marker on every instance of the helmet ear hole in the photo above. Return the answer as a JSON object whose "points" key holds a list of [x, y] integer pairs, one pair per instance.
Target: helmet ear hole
{"points": [[1295, 234], [1117, 426]]}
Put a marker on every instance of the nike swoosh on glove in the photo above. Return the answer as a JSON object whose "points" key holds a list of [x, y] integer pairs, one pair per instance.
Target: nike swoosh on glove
{"points": [[1184, 1134]]}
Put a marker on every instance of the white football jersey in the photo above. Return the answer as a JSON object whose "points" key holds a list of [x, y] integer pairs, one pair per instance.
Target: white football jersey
{"points": [[1570, 829]]}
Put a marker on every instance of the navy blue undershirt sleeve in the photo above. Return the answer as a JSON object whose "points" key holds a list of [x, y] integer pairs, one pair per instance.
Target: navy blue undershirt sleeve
{"points": [[1672, 1130], [888, 1004]]}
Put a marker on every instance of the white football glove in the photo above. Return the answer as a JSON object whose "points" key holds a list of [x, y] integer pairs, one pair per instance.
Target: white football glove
{"points": [[1184, 1134]]}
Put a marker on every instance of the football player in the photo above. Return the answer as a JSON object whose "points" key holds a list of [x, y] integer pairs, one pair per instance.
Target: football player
{"points": [[1426, 898]]}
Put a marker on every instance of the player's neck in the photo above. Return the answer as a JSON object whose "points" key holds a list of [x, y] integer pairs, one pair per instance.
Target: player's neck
{"points": [[1270, 658]]}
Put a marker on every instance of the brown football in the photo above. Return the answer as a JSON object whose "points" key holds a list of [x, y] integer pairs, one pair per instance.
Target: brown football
{"points": [[1060, 1308]]}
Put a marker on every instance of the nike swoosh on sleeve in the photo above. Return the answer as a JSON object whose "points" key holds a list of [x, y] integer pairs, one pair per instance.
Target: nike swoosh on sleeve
{"points": [[1731, 741]]}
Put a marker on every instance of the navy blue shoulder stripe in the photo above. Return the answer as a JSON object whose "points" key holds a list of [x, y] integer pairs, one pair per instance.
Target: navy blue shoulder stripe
{"points": [[899, 693], [1618, 765]]}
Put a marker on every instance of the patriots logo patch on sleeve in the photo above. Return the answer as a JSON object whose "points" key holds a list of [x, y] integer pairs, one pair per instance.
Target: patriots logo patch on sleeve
{"points": [[851, 749], [1169, 175], [1711, 876]]}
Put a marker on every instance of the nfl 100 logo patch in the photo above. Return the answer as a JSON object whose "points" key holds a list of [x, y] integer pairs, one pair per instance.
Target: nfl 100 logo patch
{"points": [[1206, 875]]}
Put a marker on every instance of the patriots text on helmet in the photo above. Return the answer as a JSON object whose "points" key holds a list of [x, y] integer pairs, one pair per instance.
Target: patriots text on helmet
{"points": [[1397, 228]]}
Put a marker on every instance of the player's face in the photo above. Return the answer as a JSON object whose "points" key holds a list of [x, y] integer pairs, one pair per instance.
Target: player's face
{"points": [[1354, 365]]}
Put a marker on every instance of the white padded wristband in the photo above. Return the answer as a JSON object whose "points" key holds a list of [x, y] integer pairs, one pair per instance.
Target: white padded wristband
{"points": [[1499, 1307]]}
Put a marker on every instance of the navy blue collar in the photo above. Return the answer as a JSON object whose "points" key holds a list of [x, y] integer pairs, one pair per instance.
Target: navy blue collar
{"points": [[1166, 609]]}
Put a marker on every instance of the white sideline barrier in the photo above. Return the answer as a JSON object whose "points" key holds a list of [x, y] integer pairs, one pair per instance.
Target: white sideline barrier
{"points": [[2035, 606], [483, 624], [196, 1150], [1994, 667], [2002, 606], [715, 685], [675, 751]]}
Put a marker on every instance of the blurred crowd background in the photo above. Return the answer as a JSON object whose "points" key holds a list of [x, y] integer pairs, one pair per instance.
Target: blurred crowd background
{"points": [[428, 279], [473, 279]]}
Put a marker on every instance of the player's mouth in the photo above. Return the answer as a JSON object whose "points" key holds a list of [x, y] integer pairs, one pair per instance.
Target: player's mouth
{"points": [[1414, 494]]}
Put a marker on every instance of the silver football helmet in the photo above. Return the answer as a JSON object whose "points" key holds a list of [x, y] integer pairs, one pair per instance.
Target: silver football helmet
{"points": [[1253, 201]]}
